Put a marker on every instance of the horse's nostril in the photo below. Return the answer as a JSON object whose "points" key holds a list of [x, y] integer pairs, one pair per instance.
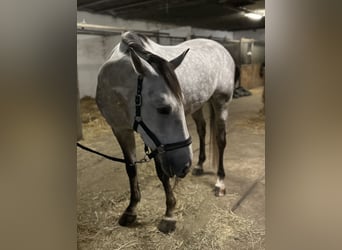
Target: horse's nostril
{"points": [[186, 170]]}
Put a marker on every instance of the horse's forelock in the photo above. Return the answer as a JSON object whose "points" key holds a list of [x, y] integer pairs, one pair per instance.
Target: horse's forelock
{"points": [[163, 67], [171, 79]]}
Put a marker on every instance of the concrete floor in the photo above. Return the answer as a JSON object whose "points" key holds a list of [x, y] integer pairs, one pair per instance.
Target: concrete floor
{"points": [[244, 165]]}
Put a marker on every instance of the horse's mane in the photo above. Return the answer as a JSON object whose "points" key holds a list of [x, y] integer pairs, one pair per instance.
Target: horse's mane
{"points": [[163, 67]]}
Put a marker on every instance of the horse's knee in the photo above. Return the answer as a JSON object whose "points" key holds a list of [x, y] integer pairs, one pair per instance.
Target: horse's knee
{"points": [[201, 129], [202, 157], [131, 170]]}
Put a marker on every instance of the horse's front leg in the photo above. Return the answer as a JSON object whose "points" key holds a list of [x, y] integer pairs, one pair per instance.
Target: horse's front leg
{"points": [[168, 223], [127, 144]]}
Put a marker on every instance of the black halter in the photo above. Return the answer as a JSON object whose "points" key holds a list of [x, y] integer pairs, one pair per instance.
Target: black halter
{"points": [[160, 148]]}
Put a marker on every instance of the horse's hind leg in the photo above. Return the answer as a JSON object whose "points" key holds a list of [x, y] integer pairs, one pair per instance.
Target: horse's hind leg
{"points": [[200, 125], [127, 144], [168, 223], [220, 109]]}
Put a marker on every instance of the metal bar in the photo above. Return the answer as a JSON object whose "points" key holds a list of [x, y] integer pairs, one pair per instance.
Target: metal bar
{"points": [[111, 29], [97, 32], [94, 29], [104, 33], [102, 27], [218, 39]]}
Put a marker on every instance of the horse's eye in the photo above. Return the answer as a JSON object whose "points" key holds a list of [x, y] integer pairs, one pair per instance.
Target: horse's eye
{"points": [[164, 110]]}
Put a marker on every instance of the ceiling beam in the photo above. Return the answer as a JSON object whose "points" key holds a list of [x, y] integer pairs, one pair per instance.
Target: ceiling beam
{"points": [[144, 10], [92, 4], [127, 6]]}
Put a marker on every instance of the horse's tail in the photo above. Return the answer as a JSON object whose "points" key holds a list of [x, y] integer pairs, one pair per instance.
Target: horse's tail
{"points": [[236, 76], [213, 149]]}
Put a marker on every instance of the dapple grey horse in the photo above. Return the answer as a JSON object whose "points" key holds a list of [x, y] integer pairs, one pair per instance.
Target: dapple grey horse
{"points": [[150, 88]]}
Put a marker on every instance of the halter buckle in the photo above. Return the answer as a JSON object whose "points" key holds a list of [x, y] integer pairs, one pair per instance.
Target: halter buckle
{"points": [[161, 149], [138, 100]]}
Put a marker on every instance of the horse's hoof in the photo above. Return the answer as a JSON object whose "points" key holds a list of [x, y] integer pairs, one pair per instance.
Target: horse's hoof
{"points": [[219, 192], [127, 219], [167, 226], [197, 171]]}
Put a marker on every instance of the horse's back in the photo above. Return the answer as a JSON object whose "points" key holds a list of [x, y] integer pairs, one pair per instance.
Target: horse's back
{"points": [[207, 70], [210, 58]]}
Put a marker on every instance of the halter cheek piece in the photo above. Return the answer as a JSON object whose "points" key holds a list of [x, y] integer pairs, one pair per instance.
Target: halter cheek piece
{"points": [[160, 148]]}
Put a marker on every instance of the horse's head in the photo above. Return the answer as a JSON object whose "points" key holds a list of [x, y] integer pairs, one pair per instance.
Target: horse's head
{"points": [[161, 119]]}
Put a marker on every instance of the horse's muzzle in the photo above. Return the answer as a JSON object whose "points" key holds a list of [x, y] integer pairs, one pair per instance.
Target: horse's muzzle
{"points": [[178, 170], [176, 162], [184, 171]]}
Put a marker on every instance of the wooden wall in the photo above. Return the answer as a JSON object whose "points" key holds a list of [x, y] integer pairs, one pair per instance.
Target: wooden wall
{"points": [[250, 76]]}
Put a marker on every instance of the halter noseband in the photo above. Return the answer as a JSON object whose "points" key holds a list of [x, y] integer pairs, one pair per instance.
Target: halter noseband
{"points": [[160, 148]]}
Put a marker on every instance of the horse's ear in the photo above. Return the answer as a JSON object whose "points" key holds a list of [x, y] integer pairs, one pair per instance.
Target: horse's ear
{"points": [[140, 65], [179, 59]]}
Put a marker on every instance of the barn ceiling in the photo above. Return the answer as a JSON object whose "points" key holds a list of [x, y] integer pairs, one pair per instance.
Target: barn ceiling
{"points": [[209, 14]]}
